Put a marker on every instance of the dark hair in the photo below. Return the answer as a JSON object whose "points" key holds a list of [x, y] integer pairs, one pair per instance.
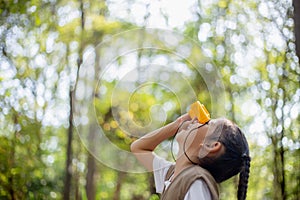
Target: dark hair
{"points": [[234, 160]]}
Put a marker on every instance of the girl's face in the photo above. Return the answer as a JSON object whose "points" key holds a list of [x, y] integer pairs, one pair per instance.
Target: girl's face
{"points": [[190, 134], [192, 138]]}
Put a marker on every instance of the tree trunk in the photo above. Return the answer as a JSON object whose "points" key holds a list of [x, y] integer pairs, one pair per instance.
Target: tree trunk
{"points": [[11, 161], [90, 185], [282, 183], [281, 149], [69, 151], [67, 187], [91, 161], [279, 179], [91, 166], [296, 4], [276, 179], [119, 185], [279, 159]]}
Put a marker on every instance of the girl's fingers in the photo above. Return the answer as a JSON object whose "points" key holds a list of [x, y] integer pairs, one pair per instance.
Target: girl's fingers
{"points": [[185, 117]]}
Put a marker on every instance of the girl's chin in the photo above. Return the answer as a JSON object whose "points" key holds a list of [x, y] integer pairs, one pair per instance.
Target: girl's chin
{"points": [[180, 137]]}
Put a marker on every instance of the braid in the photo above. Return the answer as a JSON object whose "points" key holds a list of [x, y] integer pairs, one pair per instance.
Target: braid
{"points": [[243, 180]]}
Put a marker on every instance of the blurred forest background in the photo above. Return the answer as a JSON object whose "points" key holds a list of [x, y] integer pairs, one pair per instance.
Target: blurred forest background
{"points": [[43, 44]]}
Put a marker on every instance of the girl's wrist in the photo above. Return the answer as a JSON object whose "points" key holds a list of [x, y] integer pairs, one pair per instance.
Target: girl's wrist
{"points": [[177, 124]]}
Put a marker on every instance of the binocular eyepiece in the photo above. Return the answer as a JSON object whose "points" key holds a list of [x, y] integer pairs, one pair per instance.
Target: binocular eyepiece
{"points": [[198, 110]]}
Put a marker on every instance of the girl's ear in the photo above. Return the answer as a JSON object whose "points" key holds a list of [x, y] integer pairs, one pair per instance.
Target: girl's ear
{"points": [[213, 147]]}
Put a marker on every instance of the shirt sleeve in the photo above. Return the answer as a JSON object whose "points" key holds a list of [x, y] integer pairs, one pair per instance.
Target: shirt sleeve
{"points": [[160, 169], [198, 191]]}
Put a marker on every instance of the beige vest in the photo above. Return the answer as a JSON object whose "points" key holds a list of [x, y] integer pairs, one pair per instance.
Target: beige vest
{"points": [[181, 184]]}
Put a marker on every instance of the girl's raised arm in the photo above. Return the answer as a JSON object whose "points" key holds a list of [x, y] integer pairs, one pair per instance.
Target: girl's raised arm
{"points": [[143, 147]]}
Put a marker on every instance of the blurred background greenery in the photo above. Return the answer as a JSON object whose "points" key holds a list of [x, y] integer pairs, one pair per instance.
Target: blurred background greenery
{"points": [[43, 44]]}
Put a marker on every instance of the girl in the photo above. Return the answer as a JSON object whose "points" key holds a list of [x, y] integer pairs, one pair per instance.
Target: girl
{"points": [[208, 154]]}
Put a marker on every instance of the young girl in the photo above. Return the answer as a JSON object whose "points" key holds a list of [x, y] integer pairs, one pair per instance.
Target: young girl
{"points": [[208, 154]]}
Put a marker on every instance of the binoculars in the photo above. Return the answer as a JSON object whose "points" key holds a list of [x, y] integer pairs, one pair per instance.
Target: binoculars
{"points": [[198, 110]]}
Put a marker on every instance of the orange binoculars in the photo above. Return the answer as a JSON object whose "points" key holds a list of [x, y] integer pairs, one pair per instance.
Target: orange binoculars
{"points": [[198, 110]]}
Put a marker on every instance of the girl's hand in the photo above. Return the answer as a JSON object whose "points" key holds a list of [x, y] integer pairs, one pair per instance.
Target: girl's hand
{"points": [[182, 121], [183, 118]]}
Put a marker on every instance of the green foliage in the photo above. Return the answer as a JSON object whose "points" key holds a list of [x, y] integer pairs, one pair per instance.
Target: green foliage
{"points": [[41, 43], [10, 6], [26, 163]]}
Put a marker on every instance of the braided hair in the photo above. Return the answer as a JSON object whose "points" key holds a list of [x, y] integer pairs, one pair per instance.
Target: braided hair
{"points": [[234, 160], [243, 179]]}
